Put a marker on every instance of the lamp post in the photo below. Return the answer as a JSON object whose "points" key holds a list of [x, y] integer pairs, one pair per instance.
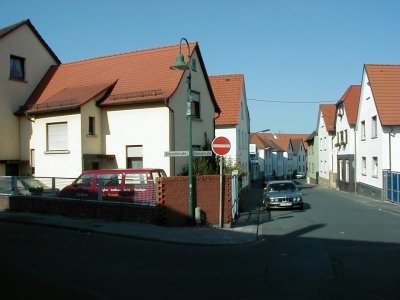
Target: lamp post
{"points": [[182, 65], [261, 131]]}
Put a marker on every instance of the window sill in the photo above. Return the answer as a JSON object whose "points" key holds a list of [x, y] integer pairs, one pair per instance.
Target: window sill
{"points": [[57, 152], [91, 135], [18, 79]]}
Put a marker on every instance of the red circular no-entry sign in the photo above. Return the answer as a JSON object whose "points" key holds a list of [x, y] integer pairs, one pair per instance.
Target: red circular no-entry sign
{"points": [[221, 145]]}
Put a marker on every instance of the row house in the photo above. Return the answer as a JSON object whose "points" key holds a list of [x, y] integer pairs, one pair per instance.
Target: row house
{"points": [[326, 154], [312, 157], [24, 60], [345, 141], [234, 119], [278, 156], [356, 140], [378, 133]]}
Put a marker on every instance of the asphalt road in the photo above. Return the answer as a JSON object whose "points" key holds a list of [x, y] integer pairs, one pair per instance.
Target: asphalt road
{"points": [[336, 248]]}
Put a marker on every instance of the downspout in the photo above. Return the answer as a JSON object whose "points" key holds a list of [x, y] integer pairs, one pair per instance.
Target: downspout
{"points": [[390, 156], [355, 161], [172, 167], [390, 149]]}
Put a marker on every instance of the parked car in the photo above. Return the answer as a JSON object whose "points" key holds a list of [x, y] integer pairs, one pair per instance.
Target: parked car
{"points": [[26, 186], [133, 185], [282, 194], [300, 175]]}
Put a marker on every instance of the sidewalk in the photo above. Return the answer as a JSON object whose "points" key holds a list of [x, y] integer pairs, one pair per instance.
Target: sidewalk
{"points": [[243, 231]]}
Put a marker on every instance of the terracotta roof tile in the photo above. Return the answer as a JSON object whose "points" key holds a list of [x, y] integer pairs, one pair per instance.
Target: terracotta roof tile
{"points": [[328, 112], [385, 84], [228, 91], [280, 140], [132, 77], [351, 99]]}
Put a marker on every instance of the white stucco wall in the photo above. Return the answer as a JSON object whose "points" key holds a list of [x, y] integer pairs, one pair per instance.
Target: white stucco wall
{"points": [[325, 152], [371, 146], [64, 164], [342, 124], [138, 127]]}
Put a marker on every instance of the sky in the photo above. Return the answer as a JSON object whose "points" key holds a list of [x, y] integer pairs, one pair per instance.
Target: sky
{"points": [[294, 54]]}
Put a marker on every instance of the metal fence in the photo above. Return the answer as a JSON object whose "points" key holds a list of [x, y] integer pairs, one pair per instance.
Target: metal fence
{"points": [[50, 187], [391, 186]]}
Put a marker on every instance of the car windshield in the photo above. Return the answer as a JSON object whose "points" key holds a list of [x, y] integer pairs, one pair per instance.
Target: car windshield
{"points": [[284, 186]]}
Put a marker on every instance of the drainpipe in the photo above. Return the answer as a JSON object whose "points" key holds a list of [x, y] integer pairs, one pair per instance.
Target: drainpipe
{"points": [[390, 149], [355, 162]]}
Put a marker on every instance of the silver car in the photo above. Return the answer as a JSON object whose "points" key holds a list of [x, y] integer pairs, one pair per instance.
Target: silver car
{"points": [[282, 194]]}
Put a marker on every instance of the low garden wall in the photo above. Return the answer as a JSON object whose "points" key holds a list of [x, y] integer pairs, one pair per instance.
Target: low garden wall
{"points": [[172, 205]]}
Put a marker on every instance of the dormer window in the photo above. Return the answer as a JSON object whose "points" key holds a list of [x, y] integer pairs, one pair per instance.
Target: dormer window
{"points": [[17, 68]]}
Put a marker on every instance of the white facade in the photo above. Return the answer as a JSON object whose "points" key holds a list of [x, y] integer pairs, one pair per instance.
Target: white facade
{"points": [[151, 129], [345, 135], [239, 137], [299, 160], [377, 146], [327, 154]]}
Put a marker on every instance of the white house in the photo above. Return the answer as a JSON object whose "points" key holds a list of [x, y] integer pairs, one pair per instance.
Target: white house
{"points": [[299, 156], [119, 111], [234, 120], [24, 59], [345, 142], [279, 155], [378, 132], [327, 152]]}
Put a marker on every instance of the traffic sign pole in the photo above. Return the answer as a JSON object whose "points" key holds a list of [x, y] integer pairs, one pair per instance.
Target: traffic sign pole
{"points": [[221, 146]]}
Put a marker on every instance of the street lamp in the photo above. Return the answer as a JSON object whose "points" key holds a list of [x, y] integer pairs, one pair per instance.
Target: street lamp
{"points": [[182, 65], [265, 130]]}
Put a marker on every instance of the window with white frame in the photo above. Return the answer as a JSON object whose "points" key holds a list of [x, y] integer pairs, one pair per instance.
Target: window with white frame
{"points": [[363, 130], [57, 136], [374, 127], [134, 157], [363, 165], [374, 166]]}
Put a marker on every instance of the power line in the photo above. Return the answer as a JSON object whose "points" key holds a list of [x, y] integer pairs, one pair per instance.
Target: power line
{"points": [[291, 102]]}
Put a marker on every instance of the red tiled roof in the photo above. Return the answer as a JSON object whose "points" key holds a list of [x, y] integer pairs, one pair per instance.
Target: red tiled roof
{"points": [[296, 143], [133, 77], [385, 84], [280, 140], [228, 91], [328, 112], [351, 98]]}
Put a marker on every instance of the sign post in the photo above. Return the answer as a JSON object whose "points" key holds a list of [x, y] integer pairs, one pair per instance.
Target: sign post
{"points": [[221, 146]]}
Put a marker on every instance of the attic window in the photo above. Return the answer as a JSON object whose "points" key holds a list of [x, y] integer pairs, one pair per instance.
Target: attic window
{"points": [[17, 68], [340, 111], [194, 64]]}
